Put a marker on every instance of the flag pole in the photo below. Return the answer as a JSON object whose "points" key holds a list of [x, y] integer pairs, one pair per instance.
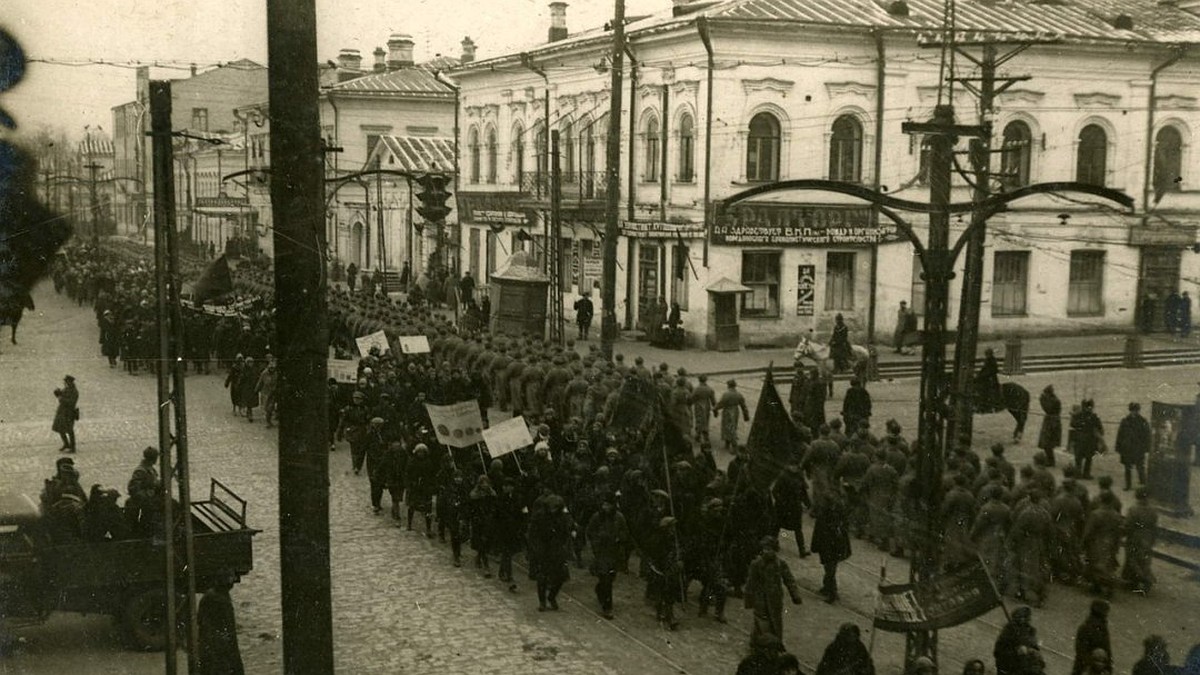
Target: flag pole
{"points": [[995, 589], [671, 505], [479, 447]]}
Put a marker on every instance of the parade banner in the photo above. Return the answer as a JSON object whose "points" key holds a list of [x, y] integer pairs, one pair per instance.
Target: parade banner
{"points": [[345, 372], [414, 344], [233, 309], [508, 436], [773, 438], [376, 339], [457, 425], [932, 605]]}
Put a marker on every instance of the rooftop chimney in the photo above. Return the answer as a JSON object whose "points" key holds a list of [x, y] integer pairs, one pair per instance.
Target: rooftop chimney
{"points": [[400, 51], [558, 21], [349, 59], [380, 59], [468, 50]]}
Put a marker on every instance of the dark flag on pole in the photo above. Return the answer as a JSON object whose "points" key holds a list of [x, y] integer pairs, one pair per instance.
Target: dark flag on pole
{"points": [[636, 407], [932, 605], [774, 441], [215, 282]]}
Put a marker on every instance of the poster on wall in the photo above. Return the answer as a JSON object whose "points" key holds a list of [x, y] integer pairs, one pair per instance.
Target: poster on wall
{"points": [[806, 290]]}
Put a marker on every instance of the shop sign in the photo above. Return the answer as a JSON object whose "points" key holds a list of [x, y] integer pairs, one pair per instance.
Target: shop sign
{"points": [[657, 229], [1160, 235], [494, 208], [806, 290], [798, 225], [222, 202]]}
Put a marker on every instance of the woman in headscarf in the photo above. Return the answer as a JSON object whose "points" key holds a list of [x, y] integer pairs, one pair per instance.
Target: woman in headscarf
{"points": [[846, 655]]}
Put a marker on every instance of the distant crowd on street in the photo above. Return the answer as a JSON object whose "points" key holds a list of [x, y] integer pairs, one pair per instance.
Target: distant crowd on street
{"points": [[593, 493]]}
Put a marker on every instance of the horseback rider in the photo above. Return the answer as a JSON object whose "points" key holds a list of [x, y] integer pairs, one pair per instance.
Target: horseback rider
{"points": [[987, 382]]}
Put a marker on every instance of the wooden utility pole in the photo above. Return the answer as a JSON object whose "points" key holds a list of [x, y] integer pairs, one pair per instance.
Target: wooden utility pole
{"points": [[986, 86], [301, 336], [555, 316], [612, 221], [164, 215]]}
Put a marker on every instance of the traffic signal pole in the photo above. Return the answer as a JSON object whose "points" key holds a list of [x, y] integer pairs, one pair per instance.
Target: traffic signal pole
{"points": [[301, 337], [612, 224]]}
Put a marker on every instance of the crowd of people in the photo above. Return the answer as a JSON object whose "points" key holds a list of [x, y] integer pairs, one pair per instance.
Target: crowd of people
{"points": [[599, 487]]}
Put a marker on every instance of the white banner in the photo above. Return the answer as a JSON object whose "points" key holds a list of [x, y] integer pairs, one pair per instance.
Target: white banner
{"points": [[414, 344], [376, 339], [457, 425], [232, 309], [345, 372], [508, 436]]}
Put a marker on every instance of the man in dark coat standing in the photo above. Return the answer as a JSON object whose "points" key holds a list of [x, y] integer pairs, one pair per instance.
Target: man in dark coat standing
{"points": [[66, 413], [583, 315], [1133, 442], [609, 536], [1017, 645], [1092, 635], [1050, 435], [831, 536], [1086, 431], [856, 406], [218, 644], [763, 593]]}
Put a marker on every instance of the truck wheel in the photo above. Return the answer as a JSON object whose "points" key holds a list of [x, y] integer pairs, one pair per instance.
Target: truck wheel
{"points": [[144, 619]]}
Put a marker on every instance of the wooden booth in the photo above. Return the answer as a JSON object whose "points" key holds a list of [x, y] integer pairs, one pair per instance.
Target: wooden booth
{"points": [[724, 334], [519, 297]]}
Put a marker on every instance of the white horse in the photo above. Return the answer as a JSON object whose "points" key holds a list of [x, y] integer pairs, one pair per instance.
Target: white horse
{"points": [[822, 356]]}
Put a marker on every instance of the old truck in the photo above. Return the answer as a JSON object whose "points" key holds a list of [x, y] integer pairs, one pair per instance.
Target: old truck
{"points": [[123, 578]]}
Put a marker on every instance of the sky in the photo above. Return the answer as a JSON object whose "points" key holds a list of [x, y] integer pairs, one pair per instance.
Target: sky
{"points": [[180, 32]]}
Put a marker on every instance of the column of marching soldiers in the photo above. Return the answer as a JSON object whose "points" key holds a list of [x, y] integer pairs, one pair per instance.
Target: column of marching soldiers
{"points": [[583, 494]]}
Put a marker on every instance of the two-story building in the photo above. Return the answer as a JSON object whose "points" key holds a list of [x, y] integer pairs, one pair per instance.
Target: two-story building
{"points": [[722, 97]]}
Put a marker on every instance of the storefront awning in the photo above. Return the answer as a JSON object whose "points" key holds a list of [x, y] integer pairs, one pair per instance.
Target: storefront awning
{"points": [[726, 285]]}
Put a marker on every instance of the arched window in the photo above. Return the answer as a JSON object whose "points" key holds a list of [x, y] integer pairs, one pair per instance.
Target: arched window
{"points": [[1168, 159], [1015, 153], [587, 139], [650, 163], [568, 154], [845, 150], [519, 154], [687, 156], [762, 148], [1091, 160], [492, 152], [473, 149], [539, 147]]}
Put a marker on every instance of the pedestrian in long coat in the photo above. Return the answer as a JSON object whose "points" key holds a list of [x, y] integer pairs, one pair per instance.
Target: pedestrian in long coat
{"points": [[1086, 433], [66, 413], [813, 414], [879, 486], [217, 648], [1092, 635], [265, 388], [1050, 435], [232, 378], [1141, 531], [247, 388], [1067, 514], [846, 655], [608, 534], [958, 515], [420, 477], [1101, 542], [551, 530], [856, 407], [831, 537], [790, 495], [704, 399], [990, 533], [110, 337], [765, 582], [481, 503], [839, 344], [1133, 442], [728, 407], [508, 534], [1029, 545]]}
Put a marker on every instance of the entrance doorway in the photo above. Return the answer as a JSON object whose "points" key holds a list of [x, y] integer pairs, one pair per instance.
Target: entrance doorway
{"points": [[356, 245], [1159, 278], [648, 281]]}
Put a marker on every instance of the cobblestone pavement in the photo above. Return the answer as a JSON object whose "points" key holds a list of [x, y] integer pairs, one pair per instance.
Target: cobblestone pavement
{"points": [[399, 605]]}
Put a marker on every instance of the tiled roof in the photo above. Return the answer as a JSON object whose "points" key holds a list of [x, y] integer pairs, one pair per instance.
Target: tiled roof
{"points": [[419, 154], [1071, 19], [414, 81]]}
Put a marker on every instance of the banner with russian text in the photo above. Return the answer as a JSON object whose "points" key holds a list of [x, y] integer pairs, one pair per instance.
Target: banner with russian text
{"points": [[508, 436], [458, 425], [376, 339], [931, 605]]}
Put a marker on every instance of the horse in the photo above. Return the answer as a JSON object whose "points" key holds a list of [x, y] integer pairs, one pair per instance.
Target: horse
{"points": [[822, 356], [1014, 399], [12, 309]]}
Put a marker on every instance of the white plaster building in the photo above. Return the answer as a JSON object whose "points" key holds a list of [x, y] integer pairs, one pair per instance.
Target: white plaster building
{"points": [[720, 97]]}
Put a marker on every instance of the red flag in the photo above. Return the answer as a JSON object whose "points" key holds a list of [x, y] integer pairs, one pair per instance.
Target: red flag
{"points": [[215, 282], [774, 441]]}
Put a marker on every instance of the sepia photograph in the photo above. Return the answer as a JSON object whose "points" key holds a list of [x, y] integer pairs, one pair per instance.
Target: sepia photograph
{"points": [[647, 337]]}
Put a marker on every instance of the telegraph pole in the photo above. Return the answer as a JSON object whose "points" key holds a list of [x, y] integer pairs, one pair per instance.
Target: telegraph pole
{"points": [[557, 332], [985, 87], [612, 222], [164, 215], [298, 202], [93, 200]]}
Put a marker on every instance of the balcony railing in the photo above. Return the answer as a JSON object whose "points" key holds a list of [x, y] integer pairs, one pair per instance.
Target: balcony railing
{"points": [[577, 186]]}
